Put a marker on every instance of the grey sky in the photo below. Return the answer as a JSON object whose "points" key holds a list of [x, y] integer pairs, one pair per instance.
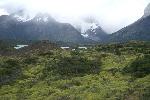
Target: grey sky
{"points": [[111, 14]]}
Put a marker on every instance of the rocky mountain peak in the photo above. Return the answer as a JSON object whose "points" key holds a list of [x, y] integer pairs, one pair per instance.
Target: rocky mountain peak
{"points": [[95, 32]]}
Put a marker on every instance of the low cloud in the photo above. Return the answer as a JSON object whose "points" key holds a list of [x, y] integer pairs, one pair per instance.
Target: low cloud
{"points": [[111, 14]]}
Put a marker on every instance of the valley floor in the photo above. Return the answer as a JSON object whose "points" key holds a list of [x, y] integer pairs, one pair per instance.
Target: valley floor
{"points": [[101, 72]]}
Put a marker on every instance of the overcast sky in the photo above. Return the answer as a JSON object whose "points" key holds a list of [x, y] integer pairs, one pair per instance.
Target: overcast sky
{"points": [[111, 14]]}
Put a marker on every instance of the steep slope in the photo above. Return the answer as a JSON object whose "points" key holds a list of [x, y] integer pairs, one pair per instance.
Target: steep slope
{"points": [[147, 11], [140, 30], [41, 27]]}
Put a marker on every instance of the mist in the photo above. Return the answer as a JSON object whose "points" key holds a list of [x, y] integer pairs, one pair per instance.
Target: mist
{"points": [[112, 15]]}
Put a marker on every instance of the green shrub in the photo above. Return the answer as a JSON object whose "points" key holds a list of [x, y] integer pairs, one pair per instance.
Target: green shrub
{"points": [[49, 53], [75, 66], [8, 66], [10, 69], [30, 60], [140, 67]]}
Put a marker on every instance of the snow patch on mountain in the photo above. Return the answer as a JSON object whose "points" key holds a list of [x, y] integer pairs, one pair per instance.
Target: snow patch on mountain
{"points": [[37, 18], [83, 27], [45, 19], [85, 35], [22, 18], [94, 26]]}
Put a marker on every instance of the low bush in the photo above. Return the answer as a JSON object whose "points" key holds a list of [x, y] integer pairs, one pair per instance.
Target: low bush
{"points": [[75, 66], [140, 67]]}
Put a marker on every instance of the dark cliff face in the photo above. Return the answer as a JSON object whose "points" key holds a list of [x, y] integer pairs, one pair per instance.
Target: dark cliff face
{"points": [[41, 27]]}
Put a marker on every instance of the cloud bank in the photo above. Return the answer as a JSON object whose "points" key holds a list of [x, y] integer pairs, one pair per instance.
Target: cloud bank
{"points": [[111, 14]]}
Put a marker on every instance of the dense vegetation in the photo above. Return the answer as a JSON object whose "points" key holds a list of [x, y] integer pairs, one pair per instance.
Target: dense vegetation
{"points": [[102, 72]]}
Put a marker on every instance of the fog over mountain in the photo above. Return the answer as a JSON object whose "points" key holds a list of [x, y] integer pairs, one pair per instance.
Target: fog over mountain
{"points": [[139, 30], [147, 11], [111, 15]]}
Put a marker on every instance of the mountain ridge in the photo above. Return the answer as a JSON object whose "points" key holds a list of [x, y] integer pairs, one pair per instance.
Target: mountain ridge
{"points": [[139, 30], [38, 29]]}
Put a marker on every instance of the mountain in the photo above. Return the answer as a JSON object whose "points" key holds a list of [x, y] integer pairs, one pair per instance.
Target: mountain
{"points": [[96, 33], [41, 27], [93, 30], [147, 11], [140, 30]]}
